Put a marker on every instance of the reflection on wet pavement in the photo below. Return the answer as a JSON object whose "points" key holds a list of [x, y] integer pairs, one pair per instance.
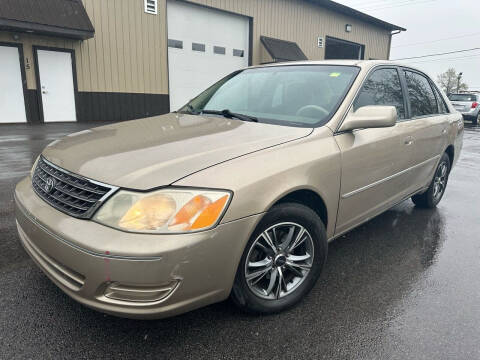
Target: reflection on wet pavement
{"points": [[404, 285]]}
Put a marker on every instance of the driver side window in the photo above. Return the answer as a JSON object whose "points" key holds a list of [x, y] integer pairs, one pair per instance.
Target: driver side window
{"points": [[383, 87]]}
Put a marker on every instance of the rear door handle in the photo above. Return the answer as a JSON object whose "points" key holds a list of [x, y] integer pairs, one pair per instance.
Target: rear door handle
{"points": [[409, 140]]}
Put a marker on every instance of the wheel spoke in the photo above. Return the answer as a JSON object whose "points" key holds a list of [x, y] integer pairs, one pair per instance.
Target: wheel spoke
{"points": [[444, 170], [273, 279], [281, 284], [300, 266], [260, 277], [294, 270], [261, 263], [284, 245], [256, 274], [264, 248], [299, 240], [269, 241], [274, 233], [296, 258]]}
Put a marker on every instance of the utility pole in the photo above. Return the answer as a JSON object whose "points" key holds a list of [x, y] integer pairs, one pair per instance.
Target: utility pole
{"points": [[459, 78]]}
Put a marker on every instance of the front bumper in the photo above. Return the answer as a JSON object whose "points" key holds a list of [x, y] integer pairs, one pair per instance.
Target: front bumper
{"points": [[125, 274]]}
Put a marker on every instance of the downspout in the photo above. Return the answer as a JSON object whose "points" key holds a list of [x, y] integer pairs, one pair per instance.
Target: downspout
{"points": [[390, 41]]}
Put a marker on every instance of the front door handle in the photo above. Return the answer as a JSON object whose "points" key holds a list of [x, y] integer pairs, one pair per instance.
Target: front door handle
{"points": [[409, 140]]}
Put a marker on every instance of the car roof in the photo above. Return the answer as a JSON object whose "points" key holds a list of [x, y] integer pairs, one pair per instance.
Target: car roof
{"points": [[364, 64], [360, 63]]}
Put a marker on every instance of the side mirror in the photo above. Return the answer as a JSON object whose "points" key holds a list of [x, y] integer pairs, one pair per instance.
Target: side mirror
{"points": [[370, 117]]}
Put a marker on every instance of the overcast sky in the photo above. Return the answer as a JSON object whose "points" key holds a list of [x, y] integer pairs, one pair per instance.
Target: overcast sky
{"points": [[433, 26]]}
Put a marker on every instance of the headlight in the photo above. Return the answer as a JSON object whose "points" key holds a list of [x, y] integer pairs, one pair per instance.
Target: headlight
{"points": [[164, 211]]}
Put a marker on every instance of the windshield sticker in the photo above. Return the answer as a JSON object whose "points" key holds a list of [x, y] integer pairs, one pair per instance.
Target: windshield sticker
{"points": [[335, 74]]}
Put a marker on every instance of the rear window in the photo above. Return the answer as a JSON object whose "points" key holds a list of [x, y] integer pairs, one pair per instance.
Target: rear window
{"points": [[422, 99], [462, 97]]}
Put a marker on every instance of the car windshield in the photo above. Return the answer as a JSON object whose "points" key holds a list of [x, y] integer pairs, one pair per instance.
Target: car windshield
{"points": [[462, 97], [295, 95]]}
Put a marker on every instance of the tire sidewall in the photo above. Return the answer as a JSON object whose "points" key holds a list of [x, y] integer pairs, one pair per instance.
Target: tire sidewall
{"points": [[288, 212]]}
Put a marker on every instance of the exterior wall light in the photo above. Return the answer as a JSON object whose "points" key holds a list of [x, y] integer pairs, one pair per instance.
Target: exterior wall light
{"points": [[348, 28]]}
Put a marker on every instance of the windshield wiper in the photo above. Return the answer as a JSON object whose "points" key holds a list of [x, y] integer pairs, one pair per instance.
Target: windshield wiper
{"points": [[228, 114]]}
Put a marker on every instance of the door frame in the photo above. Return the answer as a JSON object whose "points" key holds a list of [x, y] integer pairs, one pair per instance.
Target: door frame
{"points": [[37, 77], [19, 46]]}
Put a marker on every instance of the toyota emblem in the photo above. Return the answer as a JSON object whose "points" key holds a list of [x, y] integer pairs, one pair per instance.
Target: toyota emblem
{"points": [[49, 185]]}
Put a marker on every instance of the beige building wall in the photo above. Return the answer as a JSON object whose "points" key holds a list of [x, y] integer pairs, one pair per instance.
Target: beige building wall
{"points": [[303, 22], [127, 55], [129, 51]]}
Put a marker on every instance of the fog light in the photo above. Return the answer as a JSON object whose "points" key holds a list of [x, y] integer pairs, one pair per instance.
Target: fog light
{"points": [[140, 294]]}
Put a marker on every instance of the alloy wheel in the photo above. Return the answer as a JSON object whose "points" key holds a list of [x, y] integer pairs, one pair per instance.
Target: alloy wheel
{"points": [[279, 260], [440, 180]]}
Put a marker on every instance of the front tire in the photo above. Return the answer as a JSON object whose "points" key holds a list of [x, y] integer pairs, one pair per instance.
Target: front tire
{"points": [[436, 190], [282, 260]]}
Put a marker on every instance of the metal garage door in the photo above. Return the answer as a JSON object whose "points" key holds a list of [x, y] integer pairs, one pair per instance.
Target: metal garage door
{"points": [[12, 103], [204, 46]]}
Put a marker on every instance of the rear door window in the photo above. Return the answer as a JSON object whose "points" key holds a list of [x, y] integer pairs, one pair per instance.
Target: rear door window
{"points": [[383, 87], [422, 98], [441, 103]]}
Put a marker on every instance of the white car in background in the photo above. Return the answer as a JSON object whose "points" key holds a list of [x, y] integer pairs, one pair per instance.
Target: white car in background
{"points": [[468, 104]]}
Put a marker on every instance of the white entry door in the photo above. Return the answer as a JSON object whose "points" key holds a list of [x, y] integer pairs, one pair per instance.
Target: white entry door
{"points": [[12, 103], [204, 46], [56, 85]]}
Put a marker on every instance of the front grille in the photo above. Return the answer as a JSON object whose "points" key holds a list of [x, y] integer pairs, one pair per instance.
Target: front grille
{"points": [[70, 193]]}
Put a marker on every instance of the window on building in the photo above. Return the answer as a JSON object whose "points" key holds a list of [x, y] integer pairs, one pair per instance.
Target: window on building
{"points": [[383, 87], [198, 47], [177, 44], [219, 50], [422, 98], [151, 7], [239, 53]]}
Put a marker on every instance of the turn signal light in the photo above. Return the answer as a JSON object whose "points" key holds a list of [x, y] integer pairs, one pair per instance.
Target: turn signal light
{"points": [[198, 213], [210, 214]]}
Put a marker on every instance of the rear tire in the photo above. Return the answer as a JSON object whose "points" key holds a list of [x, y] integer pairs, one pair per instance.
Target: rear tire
{"points": [[282, 260], [430, 198], [476, 119]]}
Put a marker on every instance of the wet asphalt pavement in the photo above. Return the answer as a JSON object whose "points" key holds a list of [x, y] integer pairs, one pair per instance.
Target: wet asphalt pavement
{"points": [[404, 285]]}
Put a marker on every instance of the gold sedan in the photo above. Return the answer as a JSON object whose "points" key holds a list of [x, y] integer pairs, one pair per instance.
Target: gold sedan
{"points": [[239, 192]]}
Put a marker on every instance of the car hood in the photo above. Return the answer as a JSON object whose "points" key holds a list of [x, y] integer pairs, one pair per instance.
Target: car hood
{"points": [[157, 151]]}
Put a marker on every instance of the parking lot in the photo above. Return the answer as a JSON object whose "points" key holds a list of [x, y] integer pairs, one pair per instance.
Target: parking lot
{"points": [[404, 285]]}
